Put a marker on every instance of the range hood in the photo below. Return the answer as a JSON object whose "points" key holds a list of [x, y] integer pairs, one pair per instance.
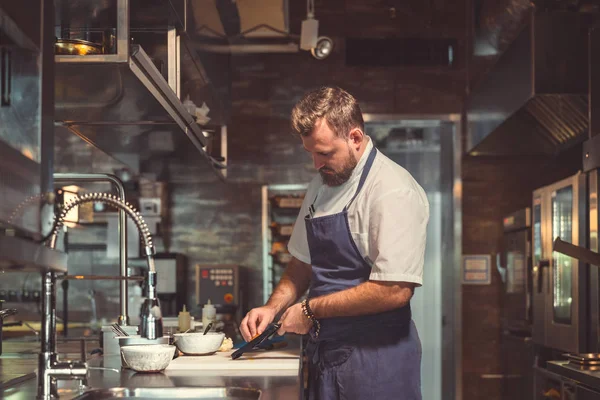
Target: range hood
{"points": [[123, 104], [534, 100]]}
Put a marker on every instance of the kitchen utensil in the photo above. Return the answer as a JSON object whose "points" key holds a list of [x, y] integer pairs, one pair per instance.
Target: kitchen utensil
{"points": [[77, 47], [198, 343], [148, 358], [120, 331], [255, 344], [207, 328], [273, 344], [586, 359]]}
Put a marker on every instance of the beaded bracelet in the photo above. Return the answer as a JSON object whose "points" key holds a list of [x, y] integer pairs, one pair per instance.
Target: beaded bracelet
{"points": [[309, 314]]}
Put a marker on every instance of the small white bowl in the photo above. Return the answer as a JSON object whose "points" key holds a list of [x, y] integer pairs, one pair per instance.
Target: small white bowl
{"points": [[133, 340], [148, 358], [199, 344]]}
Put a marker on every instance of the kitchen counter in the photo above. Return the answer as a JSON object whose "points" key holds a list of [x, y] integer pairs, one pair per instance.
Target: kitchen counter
{"points": [[273, 384], [587, 377]]}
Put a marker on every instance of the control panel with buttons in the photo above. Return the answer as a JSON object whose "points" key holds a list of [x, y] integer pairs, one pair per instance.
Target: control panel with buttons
{"points": [[222, 284]]}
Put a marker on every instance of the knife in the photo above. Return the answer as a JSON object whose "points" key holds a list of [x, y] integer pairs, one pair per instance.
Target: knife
{"points": [[255, 344]]}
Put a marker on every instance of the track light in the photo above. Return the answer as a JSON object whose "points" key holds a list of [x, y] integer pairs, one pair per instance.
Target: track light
{"points": [[323, 48]]}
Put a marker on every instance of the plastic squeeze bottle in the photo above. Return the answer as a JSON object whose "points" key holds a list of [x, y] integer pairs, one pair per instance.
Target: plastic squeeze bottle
{"points": [[209, 314], [184, 320]]}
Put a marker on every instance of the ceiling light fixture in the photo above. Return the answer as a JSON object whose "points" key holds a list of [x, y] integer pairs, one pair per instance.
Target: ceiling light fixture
{"points": [[323, 48]]}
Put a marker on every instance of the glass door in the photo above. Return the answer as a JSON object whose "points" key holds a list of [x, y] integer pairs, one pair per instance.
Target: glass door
{"points": [[564, 215], [562, 265], [539, 271]]}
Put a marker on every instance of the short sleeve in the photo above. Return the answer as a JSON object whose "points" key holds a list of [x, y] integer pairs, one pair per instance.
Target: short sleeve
{"points": [[298, 243], [397, 235]]}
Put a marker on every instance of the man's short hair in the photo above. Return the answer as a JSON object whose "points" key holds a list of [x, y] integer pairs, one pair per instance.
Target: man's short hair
{"points": [[339, 108]]}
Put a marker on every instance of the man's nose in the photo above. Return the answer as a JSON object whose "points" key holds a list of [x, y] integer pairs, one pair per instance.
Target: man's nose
{"points": [[318, 163]]}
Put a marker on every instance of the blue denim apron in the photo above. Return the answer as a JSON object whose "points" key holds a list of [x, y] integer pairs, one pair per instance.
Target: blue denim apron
{"points": [[371, 357]]}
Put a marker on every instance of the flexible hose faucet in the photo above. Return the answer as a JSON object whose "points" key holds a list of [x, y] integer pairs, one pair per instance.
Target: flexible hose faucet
{"points": [[50, 370], [151, 315]]}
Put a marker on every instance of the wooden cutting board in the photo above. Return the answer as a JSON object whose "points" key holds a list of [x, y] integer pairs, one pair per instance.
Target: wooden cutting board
{"points": [[284, 359]]}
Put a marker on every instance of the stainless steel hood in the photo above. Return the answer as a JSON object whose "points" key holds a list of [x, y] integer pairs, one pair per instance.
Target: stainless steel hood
{"points": [[534, 100], [123, 104]]}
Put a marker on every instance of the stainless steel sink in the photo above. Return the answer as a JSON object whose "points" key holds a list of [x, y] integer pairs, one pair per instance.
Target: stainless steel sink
{"points": [[190, 393]]}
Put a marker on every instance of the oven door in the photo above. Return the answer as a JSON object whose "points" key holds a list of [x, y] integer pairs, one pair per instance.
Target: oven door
{"points": [[564, 216]]}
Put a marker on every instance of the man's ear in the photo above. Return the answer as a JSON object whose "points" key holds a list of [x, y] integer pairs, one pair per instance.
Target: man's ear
{"points": [[356, 137]]}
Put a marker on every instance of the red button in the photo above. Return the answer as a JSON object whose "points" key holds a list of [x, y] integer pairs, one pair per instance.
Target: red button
{"points": [[228, 298], [205, 274], [224, 283]]}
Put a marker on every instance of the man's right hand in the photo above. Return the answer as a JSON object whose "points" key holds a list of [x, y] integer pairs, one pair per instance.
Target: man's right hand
{"points": [[256, 321]]}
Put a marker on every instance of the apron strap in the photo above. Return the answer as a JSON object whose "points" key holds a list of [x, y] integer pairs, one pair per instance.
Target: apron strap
{"points": [[363, 176], [361, 182]]}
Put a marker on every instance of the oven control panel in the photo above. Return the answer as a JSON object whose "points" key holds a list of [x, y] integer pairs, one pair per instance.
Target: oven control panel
{"points": [[219, 283]]}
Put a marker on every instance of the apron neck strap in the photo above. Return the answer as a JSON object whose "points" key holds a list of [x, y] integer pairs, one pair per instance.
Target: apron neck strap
{"points": [[361, 182], [363, 176]]}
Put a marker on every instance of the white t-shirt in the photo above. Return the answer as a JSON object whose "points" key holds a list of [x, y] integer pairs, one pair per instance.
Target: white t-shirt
{"points": [[388, 219]]}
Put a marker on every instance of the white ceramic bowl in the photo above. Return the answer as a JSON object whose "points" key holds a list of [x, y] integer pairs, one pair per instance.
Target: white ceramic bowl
{"points": [[148, 358], [197, 343], [139, 340]]}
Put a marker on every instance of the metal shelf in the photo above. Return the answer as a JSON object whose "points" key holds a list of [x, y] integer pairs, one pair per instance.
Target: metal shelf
{"points": [[268, 216]]}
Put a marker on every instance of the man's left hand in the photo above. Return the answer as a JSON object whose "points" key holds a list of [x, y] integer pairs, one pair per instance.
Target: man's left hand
{"points": [[293, 320]]}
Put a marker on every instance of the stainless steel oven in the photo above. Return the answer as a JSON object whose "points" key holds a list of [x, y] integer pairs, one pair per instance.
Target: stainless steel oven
{"points": [[560, 290]]}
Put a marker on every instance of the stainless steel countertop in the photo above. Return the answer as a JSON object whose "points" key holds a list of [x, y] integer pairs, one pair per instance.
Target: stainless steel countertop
{"points": [[271, 383], [588, 377]]}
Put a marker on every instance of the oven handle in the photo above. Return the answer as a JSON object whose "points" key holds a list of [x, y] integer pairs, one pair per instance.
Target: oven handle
{"points": [[540, 275], [577, 252]]}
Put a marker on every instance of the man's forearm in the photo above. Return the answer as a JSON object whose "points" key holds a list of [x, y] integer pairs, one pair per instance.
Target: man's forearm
{"points": [[367, 298], [293, 284]]}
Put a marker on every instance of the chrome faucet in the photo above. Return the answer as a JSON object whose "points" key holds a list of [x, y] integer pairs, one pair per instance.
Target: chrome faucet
{"points": [[50, 369]]}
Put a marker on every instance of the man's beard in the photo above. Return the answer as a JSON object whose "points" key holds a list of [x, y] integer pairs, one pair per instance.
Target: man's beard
{"points": [[332, 178]]}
